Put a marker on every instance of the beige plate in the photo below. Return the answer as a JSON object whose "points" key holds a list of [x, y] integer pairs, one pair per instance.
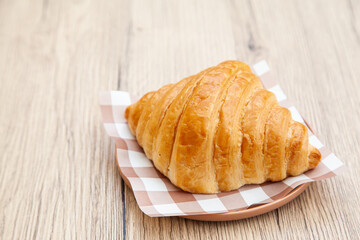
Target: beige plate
{"points": [[243, 213]]}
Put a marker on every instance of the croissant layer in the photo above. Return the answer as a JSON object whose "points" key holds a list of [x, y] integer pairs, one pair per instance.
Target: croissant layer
{"points": [[218, 130]]}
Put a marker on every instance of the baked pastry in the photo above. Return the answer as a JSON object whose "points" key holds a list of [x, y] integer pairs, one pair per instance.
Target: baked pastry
{"points": [[218, 130]]}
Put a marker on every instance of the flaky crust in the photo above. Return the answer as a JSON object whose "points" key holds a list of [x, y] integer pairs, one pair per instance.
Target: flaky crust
{"points": [[218, 130]]}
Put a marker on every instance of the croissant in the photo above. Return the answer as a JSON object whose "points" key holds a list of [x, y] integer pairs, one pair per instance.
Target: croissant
{"points": [[218, 130]]}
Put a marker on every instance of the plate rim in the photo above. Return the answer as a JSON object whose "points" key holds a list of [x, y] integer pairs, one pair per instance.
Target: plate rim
{"points": [[251, 211]]}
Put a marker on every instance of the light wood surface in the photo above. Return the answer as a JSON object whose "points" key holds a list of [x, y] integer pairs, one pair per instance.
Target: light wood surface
{"points": [[58, 177]]}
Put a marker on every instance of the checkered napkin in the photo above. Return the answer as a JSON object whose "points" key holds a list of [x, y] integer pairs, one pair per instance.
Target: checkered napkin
{"points": [[157, 196]]}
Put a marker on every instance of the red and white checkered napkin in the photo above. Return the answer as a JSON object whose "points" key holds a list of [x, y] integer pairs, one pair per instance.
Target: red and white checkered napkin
{"points": [[157, 196]]}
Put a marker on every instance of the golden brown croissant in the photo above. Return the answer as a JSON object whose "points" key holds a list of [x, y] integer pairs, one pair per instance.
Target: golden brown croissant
{"points": [[218, 130]]}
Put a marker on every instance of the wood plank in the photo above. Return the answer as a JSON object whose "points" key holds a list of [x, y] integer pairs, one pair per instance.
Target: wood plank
{"points": [[57, 170], [168, 40]]}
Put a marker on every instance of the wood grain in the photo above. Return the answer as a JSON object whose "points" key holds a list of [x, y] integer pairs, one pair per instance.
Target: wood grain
{"points": [[58, 177]]}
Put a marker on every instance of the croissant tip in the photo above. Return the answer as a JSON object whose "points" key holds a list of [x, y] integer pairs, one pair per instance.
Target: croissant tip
{"points": [[314, 157], [127, 112]]}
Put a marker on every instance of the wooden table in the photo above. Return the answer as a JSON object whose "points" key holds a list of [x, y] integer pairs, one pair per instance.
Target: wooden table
{"points": [[58, 177]]}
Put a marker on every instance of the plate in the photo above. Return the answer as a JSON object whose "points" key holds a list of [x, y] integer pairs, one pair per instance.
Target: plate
{"points": [[242, 213]]}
